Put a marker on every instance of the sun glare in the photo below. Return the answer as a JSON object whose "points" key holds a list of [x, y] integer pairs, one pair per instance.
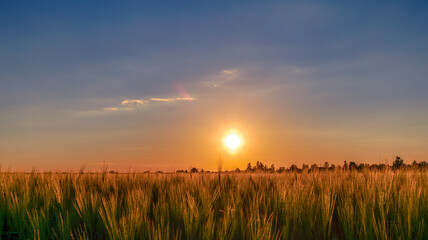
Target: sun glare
{"points": [[232, 141]]}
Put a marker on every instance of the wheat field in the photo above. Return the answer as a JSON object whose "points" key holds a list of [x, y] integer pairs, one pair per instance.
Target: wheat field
{"points": [[320, 205]]}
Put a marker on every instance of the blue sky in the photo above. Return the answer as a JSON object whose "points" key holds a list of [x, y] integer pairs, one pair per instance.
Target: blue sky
{"points": [[308, 81]]}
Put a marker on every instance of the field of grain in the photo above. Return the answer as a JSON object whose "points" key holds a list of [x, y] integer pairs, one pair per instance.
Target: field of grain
{"points": [[319, 205]]}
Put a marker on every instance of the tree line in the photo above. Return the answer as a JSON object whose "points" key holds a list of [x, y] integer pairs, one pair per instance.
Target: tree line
{"points": [[351, 166]]}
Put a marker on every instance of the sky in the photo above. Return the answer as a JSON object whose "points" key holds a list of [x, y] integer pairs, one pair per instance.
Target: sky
{"points": [[155, 85]]}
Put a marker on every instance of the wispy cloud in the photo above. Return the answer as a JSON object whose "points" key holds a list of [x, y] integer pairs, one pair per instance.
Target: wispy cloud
{"points": [[172, 99], [222, 78], [231, 72], [133, 102], [132, 105], [110, 109], [126, 105]]}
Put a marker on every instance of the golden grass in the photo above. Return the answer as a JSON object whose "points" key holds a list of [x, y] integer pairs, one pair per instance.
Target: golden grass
{"points": [[320, 205]]}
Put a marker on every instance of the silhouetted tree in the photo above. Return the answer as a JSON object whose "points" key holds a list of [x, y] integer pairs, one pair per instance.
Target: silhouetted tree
{"points": [[326, 165], [194, 170], [313, 168], [293, 168], [249, 168], [260, 167], [353, 166], [398, 163], [345, 165]]}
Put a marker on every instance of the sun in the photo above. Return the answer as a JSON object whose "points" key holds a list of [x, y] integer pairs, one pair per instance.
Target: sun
{"points": [[232, 141]]}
